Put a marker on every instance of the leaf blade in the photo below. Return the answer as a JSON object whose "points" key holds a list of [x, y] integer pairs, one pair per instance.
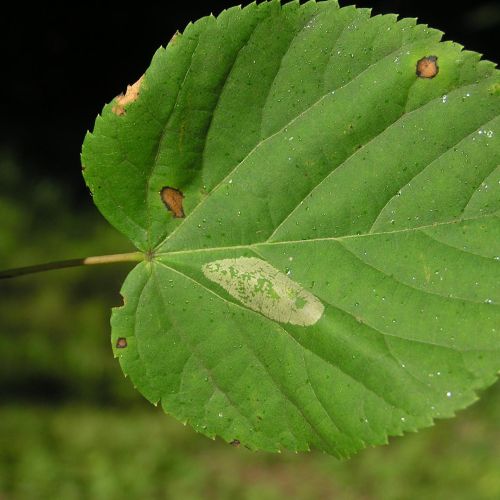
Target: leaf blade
{"points": [[334, 279]]}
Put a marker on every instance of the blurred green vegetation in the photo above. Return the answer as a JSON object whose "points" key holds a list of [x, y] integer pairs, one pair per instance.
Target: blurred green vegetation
{"points": [[72, 427]]}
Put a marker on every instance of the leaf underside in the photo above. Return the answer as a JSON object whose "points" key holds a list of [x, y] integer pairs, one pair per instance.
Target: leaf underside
{"points": [[322, 271]]}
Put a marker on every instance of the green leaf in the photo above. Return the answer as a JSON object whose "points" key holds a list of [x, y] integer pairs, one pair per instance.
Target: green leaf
{"points": [[320, 226]]}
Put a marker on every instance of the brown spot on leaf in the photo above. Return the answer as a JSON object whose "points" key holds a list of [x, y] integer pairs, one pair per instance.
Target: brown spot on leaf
{"points": [[427, 67], [121, 343], [173, 200], [130, 95], [235, 442]]}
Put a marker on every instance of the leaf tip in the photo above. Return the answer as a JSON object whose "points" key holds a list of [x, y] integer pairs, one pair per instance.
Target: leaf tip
{"points": [[175, 37]]}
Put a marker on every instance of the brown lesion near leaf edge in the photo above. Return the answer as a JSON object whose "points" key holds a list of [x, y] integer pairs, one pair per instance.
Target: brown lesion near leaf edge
{"points": [[174, 38], [235, 442], [130, 96], [121, 343], [173, 198], [427, 67]]}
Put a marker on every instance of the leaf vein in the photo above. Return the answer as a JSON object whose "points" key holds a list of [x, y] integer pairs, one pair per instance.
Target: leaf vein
{"points": [[424, 169], [278, 384], [267, 139], [200, 359], [407, 285]]}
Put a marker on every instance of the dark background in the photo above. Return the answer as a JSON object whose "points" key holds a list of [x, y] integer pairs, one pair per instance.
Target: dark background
{"points": [[60, 65], [71, 426]]}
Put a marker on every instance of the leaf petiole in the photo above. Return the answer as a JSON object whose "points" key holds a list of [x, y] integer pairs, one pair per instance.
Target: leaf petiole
{"points": [[86, 261]]}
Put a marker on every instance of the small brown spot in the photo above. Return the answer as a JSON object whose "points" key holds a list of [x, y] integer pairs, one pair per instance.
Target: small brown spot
{"points": [[235, 442], [427, 67], [130, 95], [173, 200], [121, 343]]}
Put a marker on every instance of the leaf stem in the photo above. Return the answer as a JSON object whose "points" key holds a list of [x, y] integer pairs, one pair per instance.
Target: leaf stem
{"points": [[86, 261]]}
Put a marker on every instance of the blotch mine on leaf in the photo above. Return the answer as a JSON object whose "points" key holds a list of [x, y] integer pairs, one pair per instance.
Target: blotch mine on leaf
{"points": [[121, 343], [427, 67], [173, 200], [262, 288], [130, 95]]}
